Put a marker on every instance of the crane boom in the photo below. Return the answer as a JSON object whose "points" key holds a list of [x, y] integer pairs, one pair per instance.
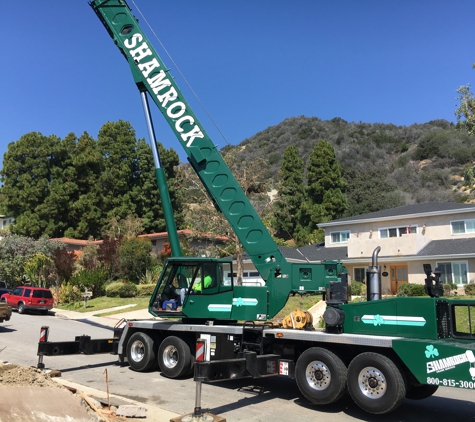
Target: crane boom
{"points": [[151, 75]]}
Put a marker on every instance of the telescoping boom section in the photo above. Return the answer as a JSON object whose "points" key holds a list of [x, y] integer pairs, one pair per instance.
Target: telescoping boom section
{"points": [[281, 277]]}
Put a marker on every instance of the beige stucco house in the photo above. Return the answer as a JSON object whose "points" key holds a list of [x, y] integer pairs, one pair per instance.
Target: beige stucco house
{"points": [[440, 234]]}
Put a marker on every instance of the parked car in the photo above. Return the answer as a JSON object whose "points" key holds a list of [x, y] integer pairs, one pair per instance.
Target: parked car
{"points": [[4, 288], [25, 298]]}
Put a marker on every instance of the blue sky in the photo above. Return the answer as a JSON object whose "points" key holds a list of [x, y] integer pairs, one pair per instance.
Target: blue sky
{"points": [[252, 63]]}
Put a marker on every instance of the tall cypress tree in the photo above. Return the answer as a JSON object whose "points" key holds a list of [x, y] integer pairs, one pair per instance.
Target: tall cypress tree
{"points": [[36, 184], [117, 145], [291, 194], [146, 195], [325, 198], [74, 187], [85, 216]]}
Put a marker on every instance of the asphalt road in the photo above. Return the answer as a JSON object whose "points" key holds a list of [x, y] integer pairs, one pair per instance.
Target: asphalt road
{"points": [[276, 400]]}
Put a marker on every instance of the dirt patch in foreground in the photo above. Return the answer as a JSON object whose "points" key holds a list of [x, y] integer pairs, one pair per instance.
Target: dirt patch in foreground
{"points": [[25, 375]]}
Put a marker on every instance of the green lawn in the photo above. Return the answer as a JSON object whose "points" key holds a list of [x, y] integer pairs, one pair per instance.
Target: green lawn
{"points": [[100, 303]]}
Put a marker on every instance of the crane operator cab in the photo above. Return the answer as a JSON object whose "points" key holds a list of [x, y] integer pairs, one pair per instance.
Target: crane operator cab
{"points": [[203, 289], [188, 286]]}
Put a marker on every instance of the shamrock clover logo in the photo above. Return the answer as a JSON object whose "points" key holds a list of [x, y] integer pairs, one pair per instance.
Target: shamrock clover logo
{"points": [[239, 302], [378, 320], [431, 352]]}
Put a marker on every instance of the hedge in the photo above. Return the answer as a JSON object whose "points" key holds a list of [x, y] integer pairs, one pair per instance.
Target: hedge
{"points": [[121, 289], [409, 289], [469, 289], [357, 288], [144, 290]]}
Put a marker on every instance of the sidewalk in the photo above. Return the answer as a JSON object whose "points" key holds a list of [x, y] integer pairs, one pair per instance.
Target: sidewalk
{"points": [[110, 320]]}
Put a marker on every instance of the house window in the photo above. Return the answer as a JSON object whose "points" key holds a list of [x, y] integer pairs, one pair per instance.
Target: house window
{"points": [[462, 227], [340, 237], [360, 274], [453, 272], [396, 231]]}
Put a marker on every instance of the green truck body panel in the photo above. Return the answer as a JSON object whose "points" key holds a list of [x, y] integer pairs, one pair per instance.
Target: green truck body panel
{"points": [[443, 362], [151, 76], [436, 336], [410, 317]]}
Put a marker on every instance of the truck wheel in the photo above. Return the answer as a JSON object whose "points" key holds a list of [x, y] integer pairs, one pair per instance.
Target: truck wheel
{"points": [[141, 352], [21, 308], [321, 376], [174, 357], [375, 383], [421, 392]]}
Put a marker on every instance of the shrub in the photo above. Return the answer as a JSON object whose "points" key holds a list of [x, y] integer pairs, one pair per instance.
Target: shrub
{"points": [[449, 288], [69, 293], [357, 288], [92, 280], [121, 289], [470, 289], [144, 290], [409, 289]]}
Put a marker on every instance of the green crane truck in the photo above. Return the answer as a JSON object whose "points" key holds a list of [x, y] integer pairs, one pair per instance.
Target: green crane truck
{"points": [[381, 350]]}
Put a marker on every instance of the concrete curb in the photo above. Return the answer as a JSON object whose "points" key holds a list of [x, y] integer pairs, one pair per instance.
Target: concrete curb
{"points": [[108, 320]]}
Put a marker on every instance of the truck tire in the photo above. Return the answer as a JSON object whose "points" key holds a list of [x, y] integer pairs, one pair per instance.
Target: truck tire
{"points": [[21, 308], [421, 392], [174, 357], [375, 383], [141, 352], [321, 376]]}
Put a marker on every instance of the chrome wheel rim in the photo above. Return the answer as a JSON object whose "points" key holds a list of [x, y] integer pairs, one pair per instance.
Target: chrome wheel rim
{"points": [[137, 351], [318, 375], [170, 356], [372, 383]]}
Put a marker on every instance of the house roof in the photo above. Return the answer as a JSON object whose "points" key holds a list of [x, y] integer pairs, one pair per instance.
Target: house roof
{"points": [[152, 236], [78, 242], [448, 247], [318, 252], [444, 247], [428, 208]]}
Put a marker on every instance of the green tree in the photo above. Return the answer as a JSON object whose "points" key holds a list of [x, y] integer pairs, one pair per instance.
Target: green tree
{"points": [[117, 145], [369, 191], [86, 205], [36, 184], [38, 269], [325, 199], [16, 250], [465, 112], [89, 258], [147, 197], [135, 258], [468, 175], [73, 187], [291, 194]]}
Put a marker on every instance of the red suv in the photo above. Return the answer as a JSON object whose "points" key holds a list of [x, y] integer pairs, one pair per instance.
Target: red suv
{"points": [[26, 298]]}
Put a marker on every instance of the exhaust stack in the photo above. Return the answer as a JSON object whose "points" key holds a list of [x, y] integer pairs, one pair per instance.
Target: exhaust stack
{"points": [[373, 278]]}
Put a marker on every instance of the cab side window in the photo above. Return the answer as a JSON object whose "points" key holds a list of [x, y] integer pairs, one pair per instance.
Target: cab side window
{"points": [[17, 292]]}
